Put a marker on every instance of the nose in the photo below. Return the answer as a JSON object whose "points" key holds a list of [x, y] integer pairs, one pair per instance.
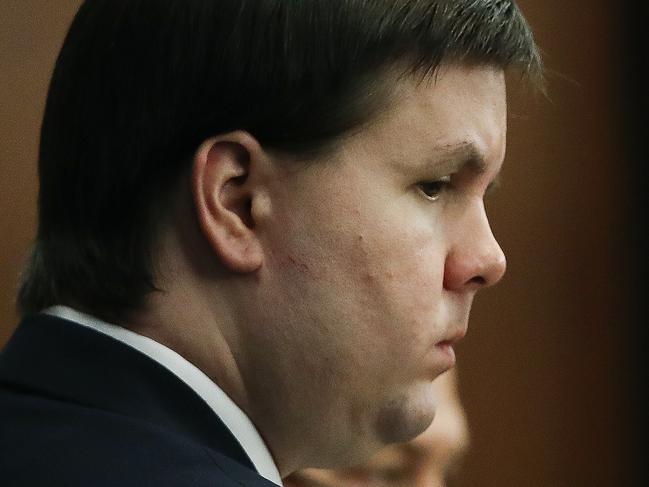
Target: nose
{"points": [[475, 259]]}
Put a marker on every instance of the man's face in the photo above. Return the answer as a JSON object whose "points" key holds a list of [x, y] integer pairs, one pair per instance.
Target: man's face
{"points": [[371, 265]]}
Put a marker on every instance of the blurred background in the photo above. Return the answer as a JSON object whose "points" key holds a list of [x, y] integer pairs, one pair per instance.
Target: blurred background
{"points": [[553, 369]]}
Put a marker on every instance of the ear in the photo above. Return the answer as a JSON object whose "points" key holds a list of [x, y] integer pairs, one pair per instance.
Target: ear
{"points": [[223, 191]]}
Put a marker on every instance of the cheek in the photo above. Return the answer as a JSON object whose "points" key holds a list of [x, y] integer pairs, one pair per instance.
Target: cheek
{"points": [[364, 274], [403, 267]]}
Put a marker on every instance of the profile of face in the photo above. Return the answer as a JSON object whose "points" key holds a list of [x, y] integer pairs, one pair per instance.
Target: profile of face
{"points": [[430, 460], [371, 260]]}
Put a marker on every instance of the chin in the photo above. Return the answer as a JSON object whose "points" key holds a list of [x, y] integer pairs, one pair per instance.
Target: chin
{"points": [[405, 417]]}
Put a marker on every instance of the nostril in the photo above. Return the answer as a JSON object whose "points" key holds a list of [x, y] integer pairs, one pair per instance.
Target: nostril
{"points": [[479, 280]]}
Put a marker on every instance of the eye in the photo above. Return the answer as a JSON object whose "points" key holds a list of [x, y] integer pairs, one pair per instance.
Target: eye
{"points": [[432, 190]]}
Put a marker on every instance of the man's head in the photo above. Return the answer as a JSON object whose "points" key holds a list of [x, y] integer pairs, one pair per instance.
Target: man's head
{"points": [[367, 263], [290, 194], [433, 459]]}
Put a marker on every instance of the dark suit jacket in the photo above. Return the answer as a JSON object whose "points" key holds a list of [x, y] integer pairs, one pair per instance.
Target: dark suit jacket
{"points": [[78, 408]]}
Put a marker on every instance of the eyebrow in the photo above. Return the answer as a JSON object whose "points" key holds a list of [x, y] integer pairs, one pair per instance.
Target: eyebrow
{"points": [[456, 157]]}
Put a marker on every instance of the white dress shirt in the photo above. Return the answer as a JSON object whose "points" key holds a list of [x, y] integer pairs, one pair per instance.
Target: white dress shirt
{"points": [[225, 408]]}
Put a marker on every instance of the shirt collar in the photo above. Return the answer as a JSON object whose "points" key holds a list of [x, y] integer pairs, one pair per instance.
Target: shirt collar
{"points": [[224, 407]]}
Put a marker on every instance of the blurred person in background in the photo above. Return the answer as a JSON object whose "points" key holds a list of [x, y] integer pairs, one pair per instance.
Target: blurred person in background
{"points": [[433, 459]]}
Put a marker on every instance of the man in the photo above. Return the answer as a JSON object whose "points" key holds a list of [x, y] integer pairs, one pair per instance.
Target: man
{"points": [[430, 460], [261, 228]]}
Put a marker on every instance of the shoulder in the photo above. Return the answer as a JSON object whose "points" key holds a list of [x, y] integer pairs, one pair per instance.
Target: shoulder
{"points": [[60, 443]]}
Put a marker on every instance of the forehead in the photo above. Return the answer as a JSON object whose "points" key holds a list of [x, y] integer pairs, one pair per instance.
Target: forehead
{"points": [[458, 105]]}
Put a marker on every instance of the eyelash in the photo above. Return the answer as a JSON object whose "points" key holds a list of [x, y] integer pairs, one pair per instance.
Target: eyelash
{"points": [[439, 187]]}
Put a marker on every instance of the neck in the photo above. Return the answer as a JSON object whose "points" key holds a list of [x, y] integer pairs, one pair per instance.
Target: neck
{"points": [[180, 324]]}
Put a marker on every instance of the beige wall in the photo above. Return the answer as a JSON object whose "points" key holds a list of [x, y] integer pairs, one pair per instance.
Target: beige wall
{"points": [[31, 32], [541, 369]]}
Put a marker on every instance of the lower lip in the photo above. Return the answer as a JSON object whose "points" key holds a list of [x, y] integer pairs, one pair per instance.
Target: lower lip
{"points": [[447, 353]]}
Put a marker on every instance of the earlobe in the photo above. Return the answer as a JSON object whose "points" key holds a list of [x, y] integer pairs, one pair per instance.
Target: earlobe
{"points": [[223, 191]]}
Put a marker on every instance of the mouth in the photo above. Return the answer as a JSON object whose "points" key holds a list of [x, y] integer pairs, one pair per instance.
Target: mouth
{"points": [[445, 347]]}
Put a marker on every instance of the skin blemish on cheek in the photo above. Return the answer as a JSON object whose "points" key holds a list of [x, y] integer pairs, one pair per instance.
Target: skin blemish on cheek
{"points": [[369, 277], [296, 263]]}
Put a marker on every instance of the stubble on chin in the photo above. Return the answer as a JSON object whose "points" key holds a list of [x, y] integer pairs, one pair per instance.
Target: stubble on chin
{"points": [[404, 418]]}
